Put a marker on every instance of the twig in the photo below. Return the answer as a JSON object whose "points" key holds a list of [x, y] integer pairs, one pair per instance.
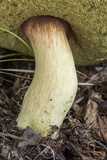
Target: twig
{"points": [[17, 70], [101, 145], [11, 136], [47, 148], [78, 152], [11, 74]]}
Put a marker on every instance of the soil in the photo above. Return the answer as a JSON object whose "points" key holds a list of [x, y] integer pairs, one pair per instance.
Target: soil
{"points": [[83, 135]]}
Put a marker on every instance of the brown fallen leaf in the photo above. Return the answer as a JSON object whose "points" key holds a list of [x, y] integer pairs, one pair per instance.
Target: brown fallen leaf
{"points": [[102, 122], [5, 150], [32, 138], [92, 111], [98, 154], [102, 105]]}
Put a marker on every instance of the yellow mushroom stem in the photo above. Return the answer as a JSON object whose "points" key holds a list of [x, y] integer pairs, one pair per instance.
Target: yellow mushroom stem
{"points": [[54, 85]]}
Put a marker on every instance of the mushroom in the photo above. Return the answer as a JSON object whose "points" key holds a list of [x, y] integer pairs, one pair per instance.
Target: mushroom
{"points": [[54, 85]]}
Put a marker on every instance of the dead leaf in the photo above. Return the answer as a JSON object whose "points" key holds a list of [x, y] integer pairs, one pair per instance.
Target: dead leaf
{"points": [[102, 105], [78, 110], [92, 111], [97, 154], [102, 122], [5, 151], [32, 138]]}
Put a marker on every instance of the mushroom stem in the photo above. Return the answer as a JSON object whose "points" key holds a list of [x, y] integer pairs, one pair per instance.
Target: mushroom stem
{"points": [[54, 85]]}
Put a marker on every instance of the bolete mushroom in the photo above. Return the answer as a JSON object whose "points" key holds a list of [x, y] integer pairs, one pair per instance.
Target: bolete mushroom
{"points": [[88, 20], [54, 85]]}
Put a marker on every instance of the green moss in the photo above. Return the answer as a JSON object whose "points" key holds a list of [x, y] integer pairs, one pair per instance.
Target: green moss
{"points": [[88, 20]]}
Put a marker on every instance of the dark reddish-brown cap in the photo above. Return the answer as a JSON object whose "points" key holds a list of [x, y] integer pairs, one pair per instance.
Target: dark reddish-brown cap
{"points": [[34, 21]]}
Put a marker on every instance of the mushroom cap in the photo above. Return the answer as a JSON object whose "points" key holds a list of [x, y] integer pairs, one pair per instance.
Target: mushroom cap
{"points": [[88, 21]]}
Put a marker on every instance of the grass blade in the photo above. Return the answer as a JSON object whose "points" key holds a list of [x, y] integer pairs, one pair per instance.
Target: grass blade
{"points": [[9, 55], [9, 60], [5, 30]]}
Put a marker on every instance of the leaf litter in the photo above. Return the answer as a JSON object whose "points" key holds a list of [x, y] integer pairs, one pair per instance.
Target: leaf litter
{"points": [[83, 135]]}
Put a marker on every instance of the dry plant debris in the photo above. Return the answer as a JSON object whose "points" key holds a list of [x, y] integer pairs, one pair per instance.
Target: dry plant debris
{"points": [[83, 135]]}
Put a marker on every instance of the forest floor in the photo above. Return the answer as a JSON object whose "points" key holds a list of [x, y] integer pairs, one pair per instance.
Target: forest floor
{"points": [[83, 135]]}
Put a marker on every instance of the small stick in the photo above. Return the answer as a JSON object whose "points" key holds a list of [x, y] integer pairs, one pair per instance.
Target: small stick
{"points": [[11, 136]]}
